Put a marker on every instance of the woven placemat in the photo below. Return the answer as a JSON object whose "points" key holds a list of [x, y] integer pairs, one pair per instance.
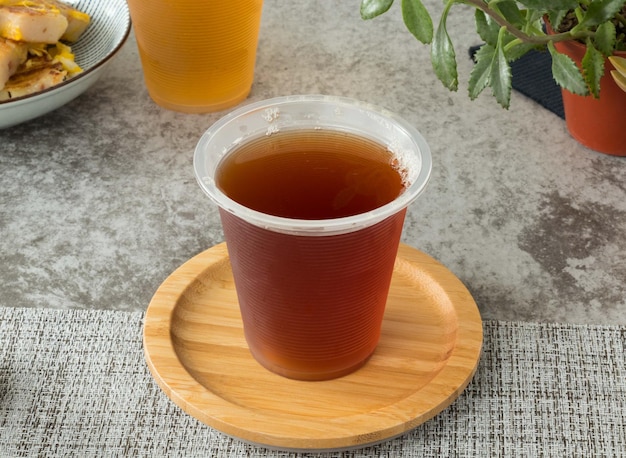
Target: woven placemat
{"points": [[74, 383]]}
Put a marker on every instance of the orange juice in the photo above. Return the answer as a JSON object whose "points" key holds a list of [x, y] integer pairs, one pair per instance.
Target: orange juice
{"points": [[197, 56]]}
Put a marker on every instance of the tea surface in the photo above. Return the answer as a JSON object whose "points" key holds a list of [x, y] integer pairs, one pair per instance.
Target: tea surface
{"points": [[316, 174]]}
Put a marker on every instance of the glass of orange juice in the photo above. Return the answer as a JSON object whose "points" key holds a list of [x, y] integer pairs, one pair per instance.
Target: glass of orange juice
{"points": [[197, 56]]}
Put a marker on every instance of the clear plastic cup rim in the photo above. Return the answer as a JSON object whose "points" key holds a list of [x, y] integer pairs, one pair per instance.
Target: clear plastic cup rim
{"points": [[208, 154]]}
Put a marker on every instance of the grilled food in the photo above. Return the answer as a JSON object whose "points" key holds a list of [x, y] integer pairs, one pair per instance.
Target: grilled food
{"points": [[12, 55], [33, 80], [32, 57], [25, 21]]}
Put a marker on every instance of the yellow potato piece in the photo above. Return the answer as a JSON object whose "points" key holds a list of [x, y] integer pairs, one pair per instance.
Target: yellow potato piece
{"points": [[44, 21], [34, 25]]}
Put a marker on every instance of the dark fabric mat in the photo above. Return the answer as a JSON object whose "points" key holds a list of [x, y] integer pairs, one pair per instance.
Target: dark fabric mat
{"points": [[532, 76]]}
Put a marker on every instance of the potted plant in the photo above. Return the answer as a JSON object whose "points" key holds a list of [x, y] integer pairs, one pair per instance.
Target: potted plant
{"points": [[510, 29]]}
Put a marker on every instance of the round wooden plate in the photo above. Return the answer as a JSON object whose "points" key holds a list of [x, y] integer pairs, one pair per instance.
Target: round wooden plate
{"points": [[428, 352]]}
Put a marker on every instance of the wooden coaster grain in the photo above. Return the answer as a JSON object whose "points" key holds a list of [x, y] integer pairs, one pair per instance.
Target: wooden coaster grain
{"points": [[428, 352]]}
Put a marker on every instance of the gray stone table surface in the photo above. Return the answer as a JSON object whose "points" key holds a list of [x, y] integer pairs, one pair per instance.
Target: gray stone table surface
{"points": [[99, 204]]}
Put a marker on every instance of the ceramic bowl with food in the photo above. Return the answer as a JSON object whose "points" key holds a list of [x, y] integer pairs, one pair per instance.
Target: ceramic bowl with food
{"points": [[107, 31]]}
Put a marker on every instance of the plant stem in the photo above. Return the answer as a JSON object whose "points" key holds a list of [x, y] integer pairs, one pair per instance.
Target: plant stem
{"points": [[538, 40]]}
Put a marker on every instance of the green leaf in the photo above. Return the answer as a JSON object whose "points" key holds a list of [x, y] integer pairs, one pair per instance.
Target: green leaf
{"points": [[619, 63], [619, 79], [534, 19], [550, 5], [605, 38], [510, 11], [519, 50], [417, 20], [566, 73], [442, 54], [599, 11], [555, 18], [500, 73], [593, 68], [372, 8], [486, 28], [479, 76]]}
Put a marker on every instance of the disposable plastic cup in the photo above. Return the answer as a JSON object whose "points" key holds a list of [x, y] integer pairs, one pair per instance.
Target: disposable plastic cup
{"points": [[197, 56], [312, 292]]}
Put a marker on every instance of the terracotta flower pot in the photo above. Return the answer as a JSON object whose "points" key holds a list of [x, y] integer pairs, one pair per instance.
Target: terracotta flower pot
{"points": [[599, 124]]}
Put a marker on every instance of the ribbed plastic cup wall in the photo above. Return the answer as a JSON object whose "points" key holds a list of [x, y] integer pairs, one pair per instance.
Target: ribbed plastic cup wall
{"points": [[197, 56]]}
